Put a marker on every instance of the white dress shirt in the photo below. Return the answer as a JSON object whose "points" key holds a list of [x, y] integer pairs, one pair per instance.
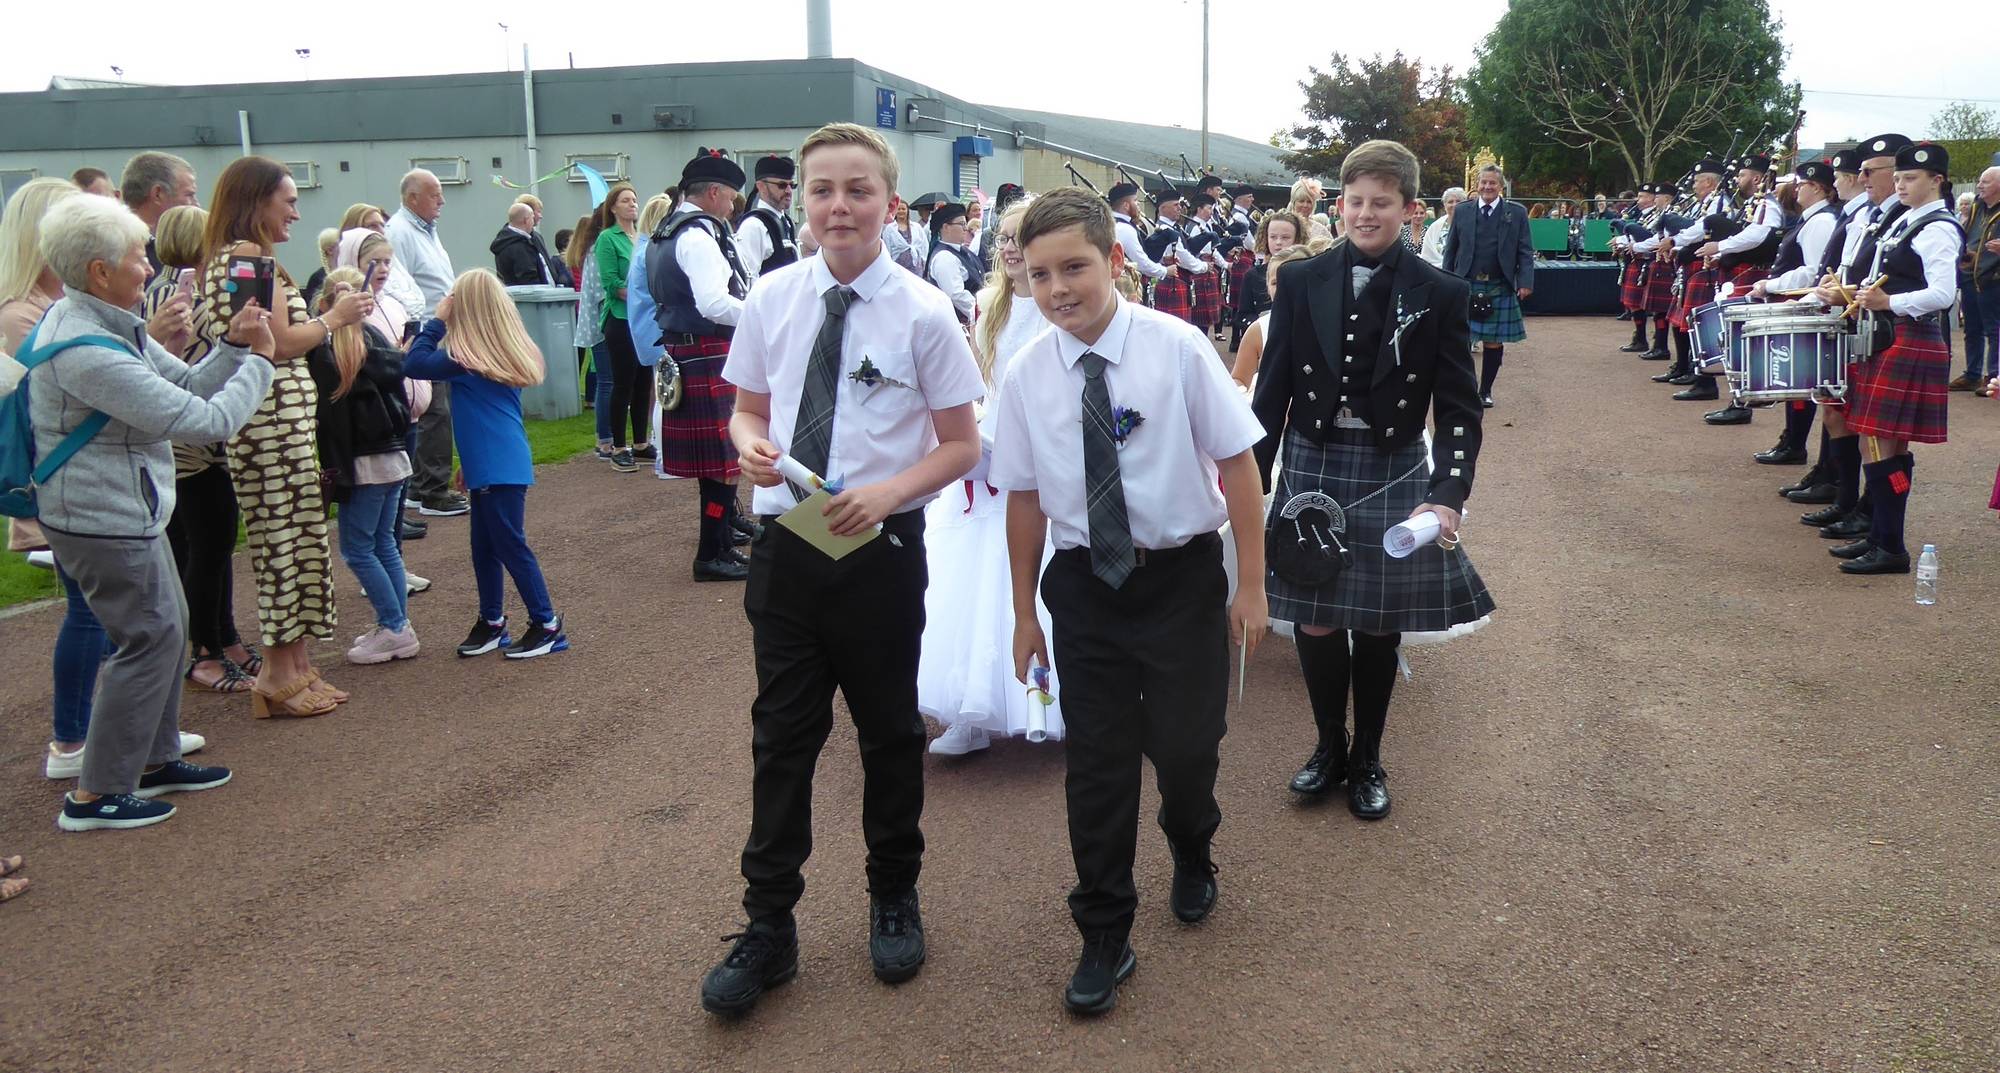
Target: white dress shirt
{"points": [[948, 272], [753, 240], [418, 249], [1698, 230], [1135, 253], [1178, 251], [708, 272], [1193, 416], [1767, 215], [1938, 245], [1814, 232], [901, 325]]}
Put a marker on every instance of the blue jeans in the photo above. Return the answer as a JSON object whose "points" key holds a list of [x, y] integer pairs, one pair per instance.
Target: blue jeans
{"points": [[600, 364], [1981, 309], [369, 546], [500, 543], [81, 648]]}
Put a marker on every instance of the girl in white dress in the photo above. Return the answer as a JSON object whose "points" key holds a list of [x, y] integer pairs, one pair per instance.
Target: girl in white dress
{"points": [[965, 679]]}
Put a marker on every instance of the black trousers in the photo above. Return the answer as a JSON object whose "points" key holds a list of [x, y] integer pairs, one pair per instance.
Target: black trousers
{"points": [[1144, 671], [631, 385], [202, 531], [817, 624]]}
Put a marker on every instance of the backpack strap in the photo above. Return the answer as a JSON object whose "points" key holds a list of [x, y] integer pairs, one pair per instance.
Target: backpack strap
{"points": [[83, 433]]}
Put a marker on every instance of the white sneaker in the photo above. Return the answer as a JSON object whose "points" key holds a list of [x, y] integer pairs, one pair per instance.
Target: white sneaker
{"points": [[380, 646], [413, 583], [44, 559], [62, 765], [959, 739]]}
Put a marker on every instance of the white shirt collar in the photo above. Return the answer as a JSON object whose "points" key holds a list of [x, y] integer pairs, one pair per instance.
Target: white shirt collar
{"points": [[1484, 204], [1110, 345], [519, 231], [866, 286]]}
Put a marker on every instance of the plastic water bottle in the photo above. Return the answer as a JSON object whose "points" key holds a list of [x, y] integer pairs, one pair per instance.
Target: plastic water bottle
{"points": [[1927, 576]]}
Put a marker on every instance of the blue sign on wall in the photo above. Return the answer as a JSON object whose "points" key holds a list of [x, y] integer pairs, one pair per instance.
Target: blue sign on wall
{"points": [[885, 108]]}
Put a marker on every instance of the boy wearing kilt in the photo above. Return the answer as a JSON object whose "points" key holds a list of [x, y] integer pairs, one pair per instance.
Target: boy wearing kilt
{"points": [[1631, 273], [1365, 340], [698, 283], [1207, 287], [1898, 397], [1489, 245], [1657, 298], [1698, 279]]}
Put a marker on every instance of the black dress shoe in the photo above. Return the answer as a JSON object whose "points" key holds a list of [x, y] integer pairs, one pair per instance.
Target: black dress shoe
{"points": [[1658, 353], [1634, 347], [1323, 769], [1825, 517], [1107, 961], [1368, 792], [762, 958], [1824, 492], [1728, 415], [1806, 480], [895, 937], [738, 538], [1624, 315], [723, 569], [1194, 884], [1486, 402], [1851, 551], [1663, 378], [1877, 561], [1683, 380], [1784, 454], [1854, 525], [746, 526]]}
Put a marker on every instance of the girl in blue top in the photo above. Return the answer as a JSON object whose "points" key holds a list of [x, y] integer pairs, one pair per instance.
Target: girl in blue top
{"points": [[478, 346]]}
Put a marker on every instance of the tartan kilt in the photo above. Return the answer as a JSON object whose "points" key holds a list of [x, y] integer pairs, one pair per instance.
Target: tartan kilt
{"points": [[1659, 289], [1901, 394], [1432, 590], [1241, 262], [694, 436], [1506, 325], [1208, 298], [1748, 276], [1171, 296], [1700, 291], [1632, 285]]}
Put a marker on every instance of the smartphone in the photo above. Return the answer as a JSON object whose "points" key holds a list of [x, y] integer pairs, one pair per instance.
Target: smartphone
{"points": [[250, 277], [184, 283]]}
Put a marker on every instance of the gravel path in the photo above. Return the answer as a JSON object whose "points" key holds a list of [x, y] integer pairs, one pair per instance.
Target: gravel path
{"points": [[1694, 802]]}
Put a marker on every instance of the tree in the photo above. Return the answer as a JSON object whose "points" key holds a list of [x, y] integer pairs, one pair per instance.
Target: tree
{"points": [[1353, 101], [1964, 120], [1615, 92]]}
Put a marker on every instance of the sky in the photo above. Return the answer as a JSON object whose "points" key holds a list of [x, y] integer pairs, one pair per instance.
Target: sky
{"points": [[1052, 55]]}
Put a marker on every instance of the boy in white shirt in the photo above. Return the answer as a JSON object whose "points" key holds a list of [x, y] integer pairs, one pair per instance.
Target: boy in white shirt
{"points": [[858, 371], [1115, 428]]}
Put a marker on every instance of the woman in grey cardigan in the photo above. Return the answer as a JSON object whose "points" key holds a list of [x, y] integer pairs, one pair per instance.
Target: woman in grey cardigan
{"points": [[106, 510]]}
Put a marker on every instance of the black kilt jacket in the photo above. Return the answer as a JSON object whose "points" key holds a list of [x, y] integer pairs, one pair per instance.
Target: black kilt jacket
{"points": [[1299, 379]]}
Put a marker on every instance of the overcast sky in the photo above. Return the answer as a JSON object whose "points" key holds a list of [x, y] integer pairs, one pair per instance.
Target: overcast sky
{"points": [[1053, 55]]}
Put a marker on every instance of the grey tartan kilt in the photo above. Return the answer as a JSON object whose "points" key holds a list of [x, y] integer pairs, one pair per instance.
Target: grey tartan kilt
{"points": [[1432, 590]]}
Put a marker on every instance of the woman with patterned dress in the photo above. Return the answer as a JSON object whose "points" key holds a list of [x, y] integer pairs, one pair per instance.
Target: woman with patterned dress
{"points": [[275, 459]]}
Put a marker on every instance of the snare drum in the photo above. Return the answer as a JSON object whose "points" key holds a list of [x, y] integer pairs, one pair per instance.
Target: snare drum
{"points": [[1711, 342], [1785, 352]]}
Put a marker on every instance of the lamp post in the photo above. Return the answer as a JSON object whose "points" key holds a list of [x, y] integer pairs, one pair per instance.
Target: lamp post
{"points": [[1204, 87], [506, 47], [305, 56]]}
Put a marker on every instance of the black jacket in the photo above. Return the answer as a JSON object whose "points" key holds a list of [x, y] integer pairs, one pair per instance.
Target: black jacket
{"points": [[371, 419], [1298, 386], [518, 259], [1254, 297], [1517, 249]]}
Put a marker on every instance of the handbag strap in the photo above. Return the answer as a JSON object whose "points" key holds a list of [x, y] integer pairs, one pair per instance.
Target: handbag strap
{"points": [[88, 429]]}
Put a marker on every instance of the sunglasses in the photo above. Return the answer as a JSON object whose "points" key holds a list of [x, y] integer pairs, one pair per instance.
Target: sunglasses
{"points": [[782, 184]]}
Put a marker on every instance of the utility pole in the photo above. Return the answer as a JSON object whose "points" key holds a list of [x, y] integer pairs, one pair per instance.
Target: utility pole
{"points": [[1204, 86]]}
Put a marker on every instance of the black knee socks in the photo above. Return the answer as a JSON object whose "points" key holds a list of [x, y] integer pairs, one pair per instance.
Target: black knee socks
{"points": [[1846, 453], [1325, 663], [1798, 423], [1638, 330], [1489, 367], [1683, 362], [717, 498], [1374, 680], [1889, 501]]}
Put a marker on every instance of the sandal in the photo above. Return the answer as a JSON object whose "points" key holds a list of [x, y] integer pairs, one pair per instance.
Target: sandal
{"points": [[327, 689], [10, 865], [254, 664], [233, 679], [12, 888], [293, 700]]}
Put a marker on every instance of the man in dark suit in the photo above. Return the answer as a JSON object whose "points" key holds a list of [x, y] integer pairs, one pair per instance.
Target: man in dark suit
{"points": [[1489, 245]]}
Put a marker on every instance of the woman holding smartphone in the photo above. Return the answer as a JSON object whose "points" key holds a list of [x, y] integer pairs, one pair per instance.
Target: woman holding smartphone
{"points": [[276, 457]]}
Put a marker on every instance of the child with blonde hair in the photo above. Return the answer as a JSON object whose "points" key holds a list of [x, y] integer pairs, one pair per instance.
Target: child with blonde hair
{"points": [[478, 345]]}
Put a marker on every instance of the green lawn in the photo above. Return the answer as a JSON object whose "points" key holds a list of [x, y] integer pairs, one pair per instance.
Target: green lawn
{"points": [[548, 441]]}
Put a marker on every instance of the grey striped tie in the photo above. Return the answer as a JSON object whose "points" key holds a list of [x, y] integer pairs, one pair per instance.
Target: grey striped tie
{"points": [[1111, 557], [812, 431]]}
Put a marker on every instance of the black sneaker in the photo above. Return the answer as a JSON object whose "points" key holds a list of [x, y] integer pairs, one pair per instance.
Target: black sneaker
{"points": [[644, 453], [725, 568], [180, 777], [604, 453], [540, 640], [112, 812], [1194, 884], [413, 531], [895, 937], [484, 638], [621, 460], [1107, 961], [449, 505], [762, 958]]}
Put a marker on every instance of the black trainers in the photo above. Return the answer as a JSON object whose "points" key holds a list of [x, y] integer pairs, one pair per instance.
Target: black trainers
{"points": [[485, 637], [762, 958], [112, 812], [448, 505], [540, 640], [180, 777], [621, 460], [1107, 961], [1194, 884], [644, 453], [895, 937]]}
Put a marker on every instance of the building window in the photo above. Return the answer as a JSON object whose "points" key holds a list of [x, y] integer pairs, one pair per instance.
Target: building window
{"points": [[450, 170], [305, 174], [14, 179], [610, 165]]}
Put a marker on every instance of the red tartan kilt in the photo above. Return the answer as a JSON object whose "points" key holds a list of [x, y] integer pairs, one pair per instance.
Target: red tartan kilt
{"points": [[1902, 394], [694, 436], [1659, 290], [1241, 261], [1748, 276], [1208, 297], [1170, 296], [1630, 294], [1699, 291]]}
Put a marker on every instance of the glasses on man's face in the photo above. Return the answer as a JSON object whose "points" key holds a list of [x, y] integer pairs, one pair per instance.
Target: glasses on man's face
{"points": [[1866, 171], [782, 184]]}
